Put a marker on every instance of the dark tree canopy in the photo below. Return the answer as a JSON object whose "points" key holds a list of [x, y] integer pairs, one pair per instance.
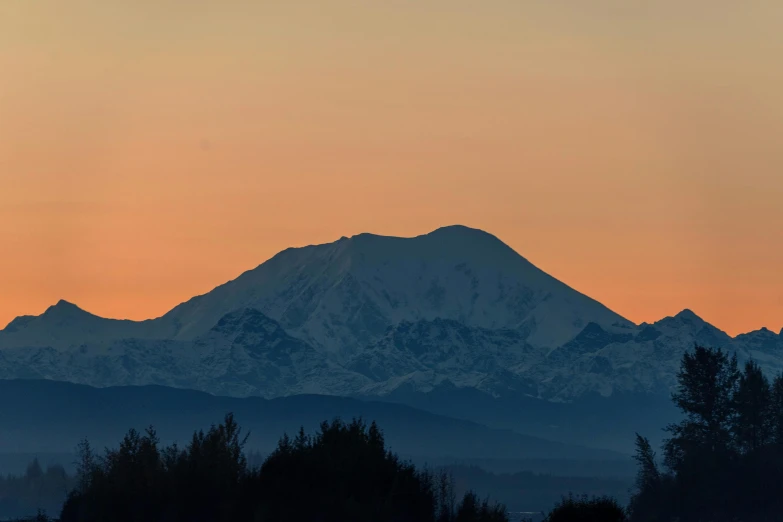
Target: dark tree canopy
{"points": [[776, 409], [707, 382], [754, 424], [724, 461], [343, 473], [584, 509]]}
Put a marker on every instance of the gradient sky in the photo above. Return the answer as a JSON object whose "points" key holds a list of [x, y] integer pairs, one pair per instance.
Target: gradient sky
{"points": [[151, 150]]}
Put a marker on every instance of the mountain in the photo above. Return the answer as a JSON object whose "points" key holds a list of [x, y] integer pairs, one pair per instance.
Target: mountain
{"points": [[347, 303], [247, 353], [763, 346], [65, 324], [453, 321], [54, 416], [244, 354], [342, 296], [643, 360], [602, 386]]}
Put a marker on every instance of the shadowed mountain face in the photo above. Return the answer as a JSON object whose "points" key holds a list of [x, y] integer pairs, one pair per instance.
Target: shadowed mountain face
{"points": [[429, 352], [246, 353]]}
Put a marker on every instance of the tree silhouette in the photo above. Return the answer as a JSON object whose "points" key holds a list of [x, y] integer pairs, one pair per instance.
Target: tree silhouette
{"points": [[707, 382], [584, 509], [344, 472], [776, 409], [724, 462], [85, 465], [754, 424]]}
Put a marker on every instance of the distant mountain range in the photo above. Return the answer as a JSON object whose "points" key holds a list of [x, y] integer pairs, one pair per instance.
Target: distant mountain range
{"points": [[420, 320], [49, 416]]}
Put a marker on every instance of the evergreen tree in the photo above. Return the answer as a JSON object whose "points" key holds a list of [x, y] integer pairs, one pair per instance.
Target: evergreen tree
{"points": [[343, 473], [468, 509], [722, 465], [776, 409], [85, 465], [753, 424], [584, 509], [446, 497], [649, 503], [707, 383], [648, 476]]}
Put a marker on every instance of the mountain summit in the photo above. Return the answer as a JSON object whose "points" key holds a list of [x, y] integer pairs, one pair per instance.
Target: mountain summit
{"points": [[343, 296]]}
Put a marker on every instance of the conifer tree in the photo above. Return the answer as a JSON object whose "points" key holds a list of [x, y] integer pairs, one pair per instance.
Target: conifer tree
{"points": [[648, 475], [84, 465], [707, 383], [753, 424], [776, 409]]}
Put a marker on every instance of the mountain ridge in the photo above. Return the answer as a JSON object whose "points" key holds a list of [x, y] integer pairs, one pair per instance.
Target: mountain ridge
{"points": [[372, 282], [72, 411], [450, 231], [374, 315]]}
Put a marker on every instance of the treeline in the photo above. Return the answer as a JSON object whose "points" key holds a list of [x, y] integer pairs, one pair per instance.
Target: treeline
{"points": [[36, 490], [342, 473], [521, 491], [724, 461], [535, 492]]}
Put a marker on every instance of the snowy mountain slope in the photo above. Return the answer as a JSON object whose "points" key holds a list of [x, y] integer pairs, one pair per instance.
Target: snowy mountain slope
{"points": [[425, 354], [763, 346], [248, 354], [65, 324], [599, 361], [343, 296], [244, 354], [644, 360], [442, 344], [602, 361]]}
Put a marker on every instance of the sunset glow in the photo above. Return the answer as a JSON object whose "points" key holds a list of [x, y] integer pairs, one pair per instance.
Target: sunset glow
{"points": [[150, 151]]}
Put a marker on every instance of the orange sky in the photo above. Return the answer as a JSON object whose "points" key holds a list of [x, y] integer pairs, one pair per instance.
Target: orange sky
{"points": [[151, 150]]}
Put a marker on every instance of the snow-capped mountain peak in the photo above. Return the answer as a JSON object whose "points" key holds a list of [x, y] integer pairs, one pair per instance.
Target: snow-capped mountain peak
{"points": [[58, 312], [342, 296], [372, 314], [688, 315], [64, 307]]}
